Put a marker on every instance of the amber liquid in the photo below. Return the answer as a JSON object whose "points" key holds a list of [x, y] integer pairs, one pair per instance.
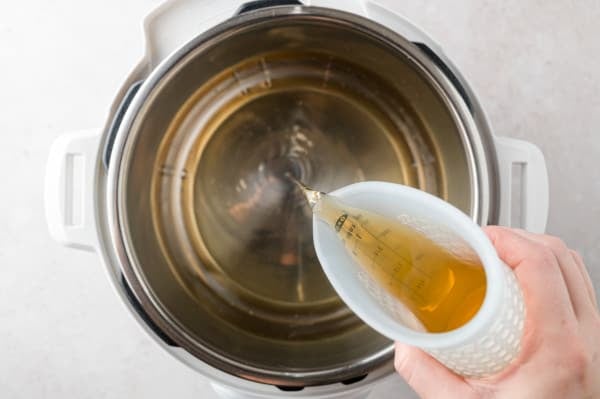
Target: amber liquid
{"points": [[442, 290]]}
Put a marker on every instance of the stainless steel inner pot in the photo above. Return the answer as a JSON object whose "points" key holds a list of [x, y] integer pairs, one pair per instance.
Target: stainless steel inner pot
{"points": [[218, 247]]}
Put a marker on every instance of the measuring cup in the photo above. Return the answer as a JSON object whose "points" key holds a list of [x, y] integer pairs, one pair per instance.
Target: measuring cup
{"points": [[484, 345]]}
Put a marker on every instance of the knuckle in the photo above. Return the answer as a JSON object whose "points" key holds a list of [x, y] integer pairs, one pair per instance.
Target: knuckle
{"points": [[544, 255], [577, 256], [578, 360], [555, 243], [400, 362], [404, 365], [571, 367]]}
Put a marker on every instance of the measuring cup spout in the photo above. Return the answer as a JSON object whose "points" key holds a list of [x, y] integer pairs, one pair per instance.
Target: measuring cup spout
{"points": [[311, 196]]}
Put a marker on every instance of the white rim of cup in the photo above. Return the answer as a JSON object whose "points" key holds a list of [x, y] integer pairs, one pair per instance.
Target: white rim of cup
{"points": [[464, 227]]}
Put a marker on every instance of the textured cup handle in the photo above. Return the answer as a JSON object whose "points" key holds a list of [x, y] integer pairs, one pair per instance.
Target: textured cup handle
{"points": [[498, 346]]}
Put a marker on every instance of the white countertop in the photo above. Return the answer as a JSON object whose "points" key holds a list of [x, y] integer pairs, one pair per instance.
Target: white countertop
{"points": [[63, 332]]}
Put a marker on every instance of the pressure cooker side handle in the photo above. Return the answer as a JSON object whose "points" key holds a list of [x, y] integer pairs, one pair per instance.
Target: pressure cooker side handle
{"points": [[534, 184], [69, 192]]}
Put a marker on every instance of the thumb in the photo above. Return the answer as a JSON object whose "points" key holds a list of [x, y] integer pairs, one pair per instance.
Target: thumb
{"points": [[429, 378]]}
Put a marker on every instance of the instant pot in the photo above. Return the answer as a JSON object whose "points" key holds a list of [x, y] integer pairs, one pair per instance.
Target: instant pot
{"points": [[183, 192]]}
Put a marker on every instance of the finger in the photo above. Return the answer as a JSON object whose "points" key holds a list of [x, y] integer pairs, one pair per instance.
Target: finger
{"points": [[428, 377], [576, 286], [539, 275], [586, 277]]}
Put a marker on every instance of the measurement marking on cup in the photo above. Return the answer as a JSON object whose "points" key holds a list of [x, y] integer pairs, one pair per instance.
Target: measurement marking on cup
{"points": [[384, 233], [380, 248], [340, 222]]}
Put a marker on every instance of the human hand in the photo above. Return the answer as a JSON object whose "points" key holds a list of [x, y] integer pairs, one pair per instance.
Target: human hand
{"points": [[560, 355]]}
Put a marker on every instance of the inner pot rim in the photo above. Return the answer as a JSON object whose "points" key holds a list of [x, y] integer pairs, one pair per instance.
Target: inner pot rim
{"points": [[122, 149]]}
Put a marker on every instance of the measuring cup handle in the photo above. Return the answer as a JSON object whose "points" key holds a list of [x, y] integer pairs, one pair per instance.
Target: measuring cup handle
{"points": [[534, 184], [69, 189]]}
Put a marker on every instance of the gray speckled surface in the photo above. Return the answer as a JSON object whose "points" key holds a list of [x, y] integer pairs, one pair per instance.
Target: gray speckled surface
{"points": [[534, 65], [63, 332]]}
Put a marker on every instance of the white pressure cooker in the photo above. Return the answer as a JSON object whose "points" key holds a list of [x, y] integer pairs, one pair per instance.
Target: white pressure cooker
{"points": [[181, 193]]}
